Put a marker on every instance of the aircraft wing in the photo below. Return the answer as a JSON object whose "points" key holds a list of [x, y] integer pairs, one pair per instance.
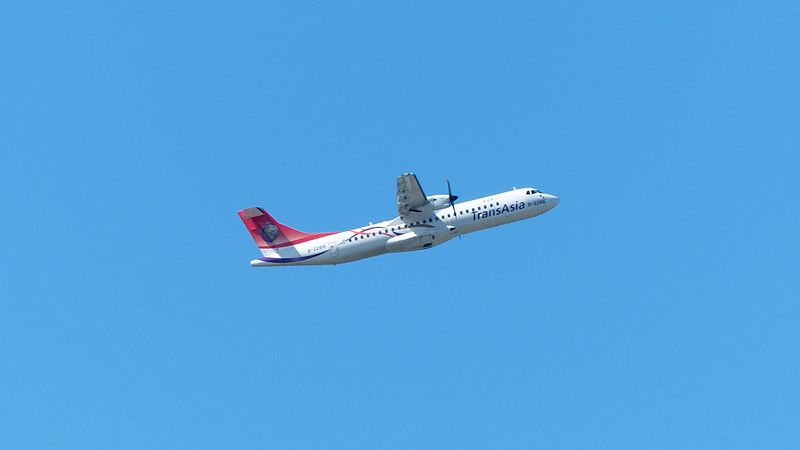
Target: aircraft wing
{"points": [[410, 197]]}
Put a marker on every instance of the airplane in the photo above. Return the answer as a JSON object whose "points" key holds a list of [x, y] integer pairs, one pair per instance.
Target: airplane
{"points": [[422, 222]]}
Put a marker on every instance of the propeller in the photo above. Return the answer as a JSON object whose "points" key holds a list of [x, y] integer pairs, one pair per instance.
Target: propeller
{"points": [[452, 198]]}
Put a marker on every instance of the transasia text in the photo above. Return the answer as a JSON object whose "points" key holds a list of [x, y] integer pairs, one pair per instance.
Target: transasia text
{"points": [[497, 211]]}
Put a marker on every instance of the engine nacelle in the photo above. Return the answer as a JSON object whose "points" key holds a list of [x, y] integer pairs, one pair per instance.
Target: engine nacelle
{"points": [[441, 201], [418, 240]]}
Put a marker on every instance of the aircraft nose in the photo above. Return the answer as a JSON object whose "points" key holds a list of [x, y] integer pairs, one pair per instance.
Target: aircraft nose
{"points": [[552, 200]]}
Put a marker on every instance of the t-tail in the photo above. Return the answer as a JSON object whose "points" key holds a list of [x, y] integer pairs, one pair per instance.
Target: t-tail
{"points": [[274, 239]]}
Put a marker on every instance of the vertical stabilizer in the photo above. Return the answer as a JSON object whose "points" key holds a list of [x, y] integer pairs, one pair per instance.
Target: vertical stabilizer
{"points": [[270, 234]]}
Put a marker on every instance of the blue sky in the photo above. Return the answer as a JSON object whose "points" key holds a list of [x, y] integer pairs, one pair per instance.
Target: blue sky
{"points": [[657, 306]]}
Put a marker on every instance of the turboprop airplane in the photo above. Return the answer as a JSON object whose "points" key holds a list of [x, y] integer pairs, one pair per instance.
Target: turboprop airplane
{"points": [[423, 222]]}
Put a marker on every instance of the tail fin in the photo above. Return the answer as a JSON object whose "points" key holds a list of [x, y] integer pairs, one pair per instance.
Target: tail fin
{"points": [[271, 234]]}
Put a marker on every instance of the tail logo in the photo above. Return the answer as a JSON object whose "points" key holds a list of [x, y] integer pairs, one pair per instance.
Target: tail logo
{"points": [[269, 232]]}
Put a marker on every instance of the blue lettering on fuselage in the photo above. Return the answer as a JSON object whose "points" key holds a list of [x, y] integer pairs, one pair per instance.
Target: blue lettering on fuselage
{"points": [[497, 211]]}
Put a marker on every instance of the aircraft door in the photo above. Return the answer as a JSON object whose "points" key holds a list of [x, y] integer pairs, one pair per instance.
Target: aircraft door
{"points": [[334, 251]]}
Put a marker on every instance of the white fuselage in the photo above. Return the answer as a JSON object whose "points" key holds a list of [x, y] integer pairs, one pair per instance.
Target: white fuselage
{"points": [[425, 231]]}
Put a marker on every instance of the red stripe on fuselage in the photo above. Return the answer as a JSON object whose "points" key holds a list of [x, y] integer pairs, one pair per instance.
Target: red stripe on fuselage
{"points": [[297, 241], [321, 235]]}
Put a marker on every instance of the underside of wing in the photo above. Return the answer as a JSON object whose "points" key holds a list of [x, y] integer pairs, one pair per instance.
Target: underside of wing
{"points": [[410, 197]]}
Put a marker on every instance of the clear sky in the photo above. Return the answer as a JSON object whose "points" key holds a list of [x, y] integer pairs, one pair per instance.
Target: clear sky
{"points": [[656, 306]]}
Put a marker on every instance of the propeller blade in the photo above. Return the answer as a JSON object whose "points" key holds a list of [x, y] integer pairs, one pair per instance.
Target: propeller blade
{"points": [[450, 193], [452, 198]]}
